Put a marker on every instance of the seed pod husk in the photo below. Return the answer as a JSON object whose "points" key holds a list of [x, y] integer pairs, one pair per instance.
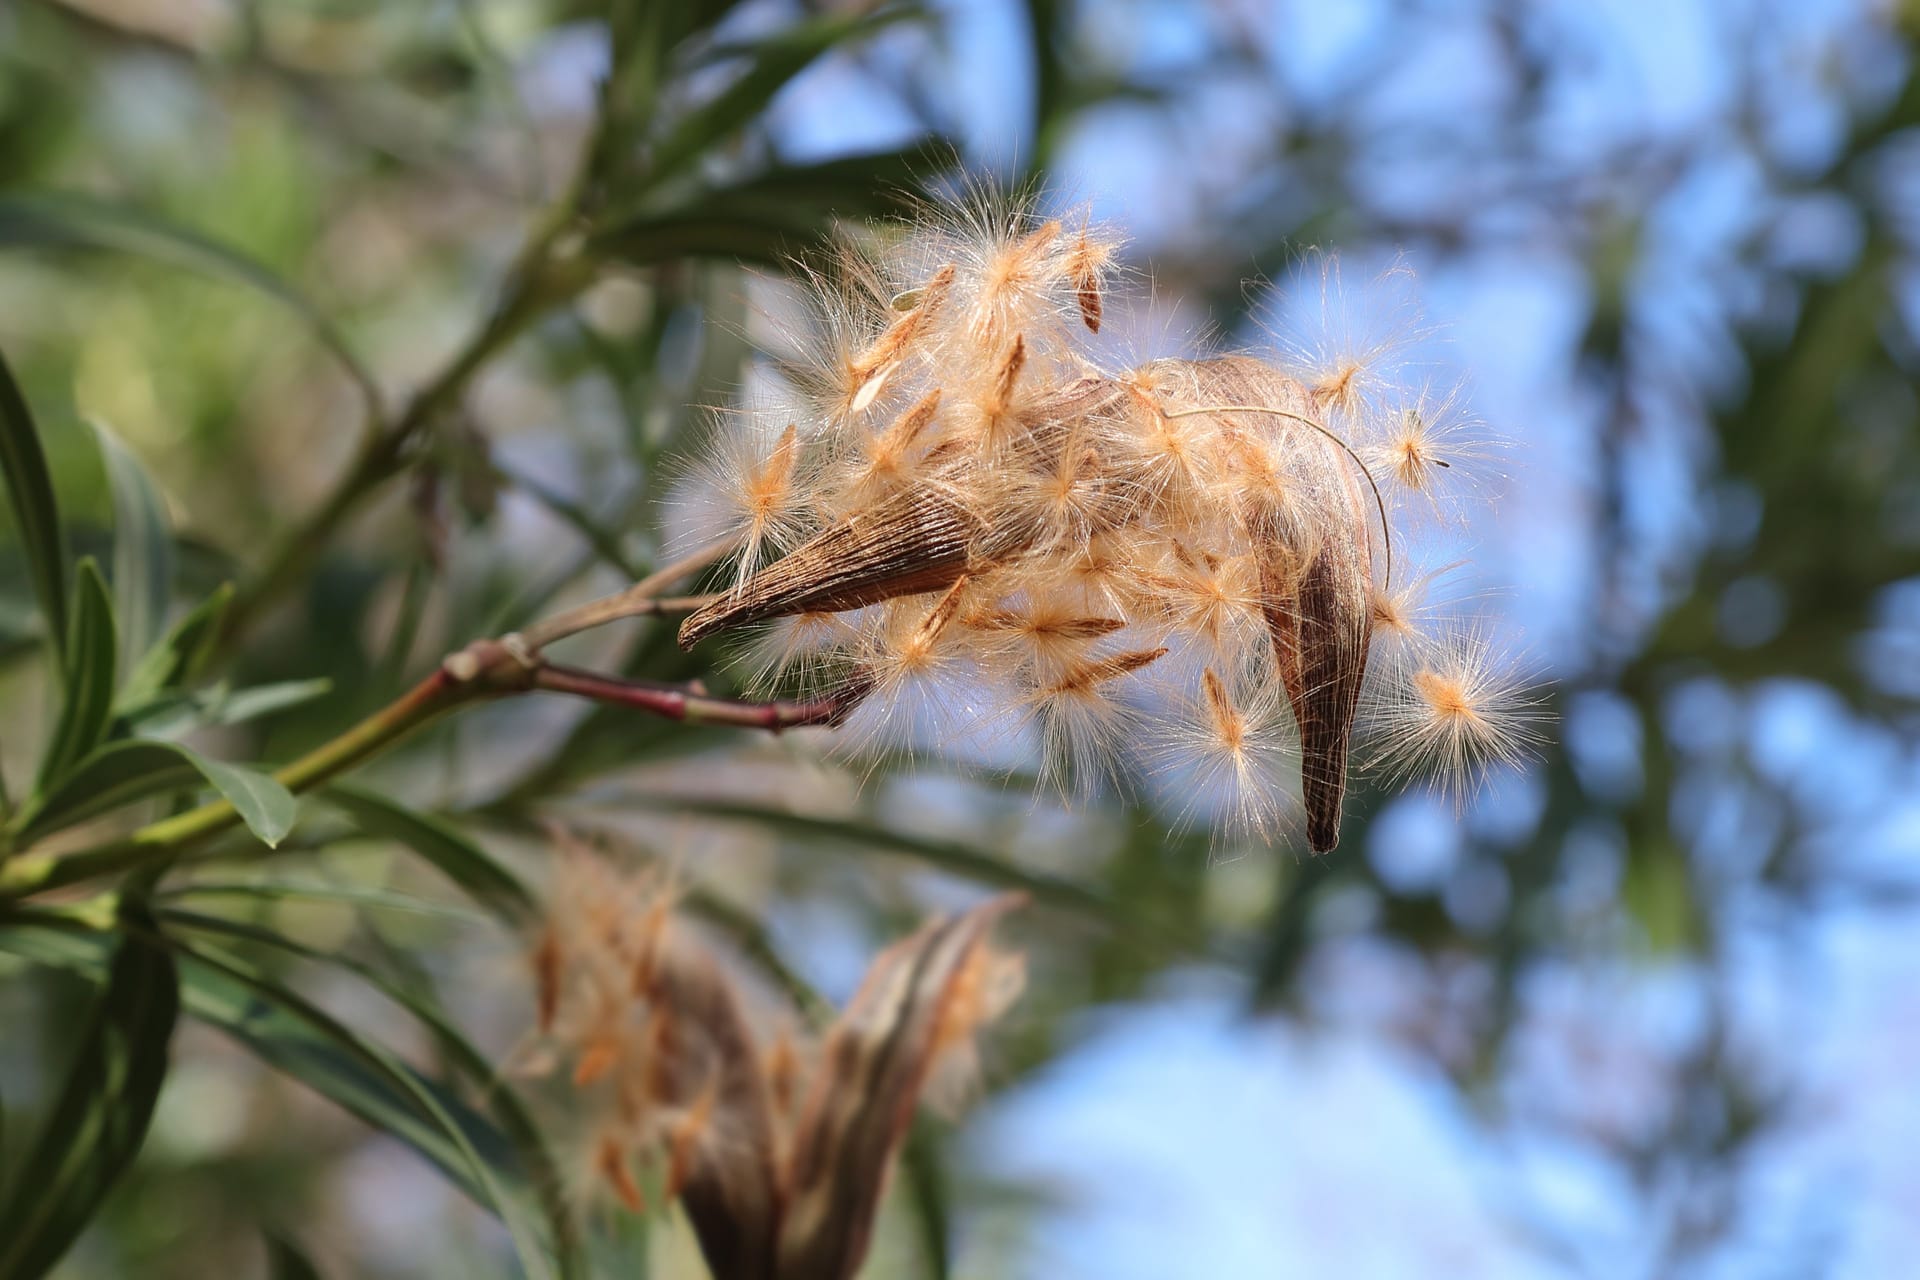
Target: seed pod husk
{"points": [[1316, 582], [919, 539]]}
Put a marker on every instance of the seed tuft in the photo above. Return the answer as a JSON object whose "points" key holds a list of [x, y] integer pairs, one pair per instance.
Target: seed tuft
{"points": [[1011, 542]]}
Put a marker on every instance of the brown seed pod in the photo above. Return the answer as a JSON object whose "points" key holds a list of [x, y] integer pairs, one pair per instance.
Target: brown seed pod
{"points": [[919, 539], [1316, 580], [1220, 509]]}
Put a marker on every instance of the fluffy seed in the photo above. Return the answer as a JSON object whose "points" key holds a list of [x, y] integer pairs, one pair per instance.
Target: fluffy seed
{"points": [[1456, 709], [1036, 545]]}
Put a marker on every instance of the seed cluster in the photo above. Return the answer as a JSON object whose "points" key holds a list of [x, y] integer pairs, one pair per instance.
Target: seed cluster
{"points": [[778, 1149], [1196, 564]]}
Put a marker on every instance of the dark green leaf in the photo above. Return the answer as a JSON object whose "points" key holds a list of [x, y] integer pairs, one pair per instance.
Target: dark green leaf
{"points": [[287, 1261], [464, 862], [20, 626], [101, 1117], [170, 716], [643, 37], [769, 237], [36, 513], [772, 64], [135, 769], [927, 1180], [175, 660], [536, 1165], [973, 864], [298, 1038], [301, 891], [869, 185], [75, 222], [781, 213], [604, 539], [142, 547], [92, 649]]}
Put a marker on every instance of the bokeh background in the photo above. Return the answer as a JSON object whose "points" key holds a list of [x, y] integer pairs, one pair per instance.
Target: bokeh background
{"points": [[1651, 1007]]}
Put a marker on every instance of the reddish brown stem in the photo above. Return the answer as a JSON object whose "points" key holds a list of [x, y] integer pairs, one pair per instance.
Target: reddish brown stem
{"points": [[676, 702]]}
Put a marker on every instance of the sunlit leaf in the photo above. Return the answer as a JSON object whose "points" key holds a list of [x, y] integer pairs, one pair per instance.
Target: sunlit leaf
{"points": [[178, 656], [138, 768], [170, 716], [142, 547]]}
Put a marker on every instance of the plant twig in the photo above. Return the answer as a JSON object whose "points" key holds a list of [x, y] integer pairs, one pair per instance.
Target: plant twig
{"points": [[541, 275], [641, 599], [678, 702], [484, 670]]}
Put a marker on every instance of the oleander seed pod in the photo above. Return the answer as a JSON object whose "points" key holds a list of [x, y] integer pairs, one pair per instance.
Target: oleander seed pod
{"points": [[1133, 568]]}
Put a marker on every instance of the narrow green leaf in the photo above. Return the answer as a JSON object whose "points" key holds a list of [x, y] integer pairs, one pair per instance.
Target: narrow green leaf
{"points": [[177, 658], [170, 715], [138, 768], [770, 218], [643, 38], [142, 547], [536, 1168], [303, 1040], [287, 1261], [390, 674], [238, 706], [59, 221], [19, 612], [772, 64], [296, 1037], [101, 1117], [932, 1209], [972, 864], [92, 648], [762, 237], [36, 513], [115, 774], [604, 539], [301, 891], [459, 858], [868, 185]]}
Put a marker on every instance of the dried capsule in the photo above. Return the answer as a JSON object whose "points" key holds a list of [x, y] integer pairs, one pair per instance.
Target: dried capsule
{"points": [[1204, 541]]}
